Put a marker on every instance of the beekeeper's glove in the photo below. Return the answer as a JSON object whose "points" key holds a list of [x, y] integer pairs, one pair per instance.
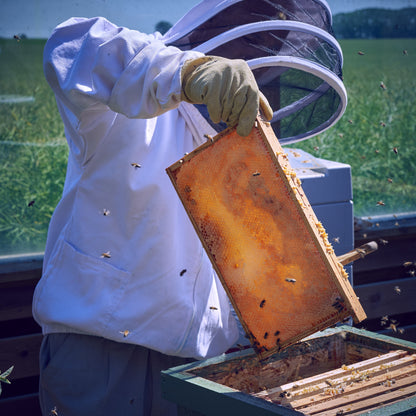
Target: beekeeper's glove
{"points": [[228, 88]]}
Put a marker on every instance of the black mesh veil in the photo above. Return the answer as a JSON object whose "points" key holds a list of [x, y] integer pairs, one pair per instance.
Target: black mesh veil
{"points": [[290, 48]]}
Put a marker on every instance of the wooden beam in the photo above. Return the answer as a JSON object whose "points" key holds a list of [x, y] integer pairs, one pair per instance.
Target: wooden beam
{"points": [[21, 352], [379, 299], [27, 404]]}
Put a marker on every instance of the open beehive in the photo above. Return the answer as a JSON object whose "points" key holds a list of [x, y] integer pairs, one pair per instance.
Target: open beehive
{"points": [[264, 240], [342, 371]]}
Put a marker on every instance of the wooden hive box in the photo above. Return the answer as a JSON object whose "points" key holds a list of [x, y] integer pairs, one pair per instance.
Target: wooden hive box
{"points": [[341, 371], [264, 240]]}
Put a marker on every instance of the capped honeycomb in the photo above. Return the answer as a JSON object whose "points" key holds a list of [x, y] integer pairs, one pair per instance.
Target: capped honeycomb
{"points": [[269, 250]]}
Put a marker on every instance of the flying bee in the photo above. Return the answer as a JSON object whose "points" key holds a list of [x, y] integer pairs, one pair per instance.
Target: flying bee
{"points": [[207, 136], [17, 37], [182, 272], [380, 203], [408, 263], [395, 150], [393, 327], [316, 148], [412, 273], [404, 52], [382, 241], [266, 334], [125, 333], [350, 121], [389, 180], [106, 255], [361, 53], [336, 240], [214, 308], [54, 411], [262, 303], [290, 280], [397, 290], [256, 174], [31, 203], [136, 165], [382, 85], [106, 212], [382, 124]]}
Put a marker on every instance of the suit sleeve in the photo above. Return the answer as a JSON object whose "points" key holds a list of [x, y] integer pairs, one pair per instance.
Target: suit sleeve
{"points": [[88, 62]]}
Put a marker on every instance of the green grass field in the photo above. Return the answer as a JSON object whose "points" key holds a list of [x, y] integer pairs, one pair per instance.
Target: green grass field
{"points": [[377, 136]]}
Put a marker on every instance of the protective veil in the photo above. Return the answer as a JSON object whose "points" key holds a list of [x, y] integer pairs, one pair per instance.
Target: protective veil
{"points": [[290, 48]]}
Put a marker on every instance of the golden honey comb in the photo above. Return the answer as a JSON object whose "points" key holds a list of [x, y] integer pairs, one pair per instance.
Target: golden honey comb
{"points": [[262, 236]]}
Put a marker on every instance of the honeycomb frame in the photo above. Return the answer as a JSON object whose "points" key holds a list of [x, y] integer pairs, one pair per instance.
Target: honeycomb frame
{"points": [[271, 253]]}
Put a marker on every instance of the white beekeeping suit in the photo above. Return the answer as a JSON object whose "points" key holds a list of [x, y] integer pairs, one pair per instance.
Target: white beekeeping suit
{"points": [[122, 260], [108, 273], [119, 239]]}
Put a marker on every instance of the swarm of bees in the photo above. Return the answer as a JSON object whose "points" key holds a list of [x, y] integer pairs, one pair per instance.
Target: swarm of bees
{"points": [[410, 266], [391, 324]]}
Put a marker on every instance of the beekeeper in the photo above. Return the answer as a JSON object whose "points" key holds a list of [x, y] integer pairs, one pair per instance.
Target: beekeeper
{"points": [[127, 289]]}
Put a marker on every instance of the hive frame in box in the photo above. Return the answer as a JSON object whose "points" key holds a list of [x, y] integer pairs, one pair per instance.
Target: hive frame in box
{"points": [[263, 238], [198, 390]]}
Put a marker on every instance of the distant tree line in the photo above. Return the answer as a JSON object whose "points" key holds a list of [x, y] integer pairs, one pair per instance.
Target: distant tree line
{"points": [[376, 23]]}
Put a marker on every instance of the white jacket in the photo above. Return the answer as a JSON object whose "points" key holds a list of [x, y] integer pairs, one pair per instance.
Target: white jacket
{"points": [[122, 259]]}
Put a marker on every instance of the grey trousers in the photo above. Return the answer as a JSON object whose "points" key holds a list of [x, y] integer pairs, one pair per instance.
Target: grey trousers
{"points": [[86, 375]]}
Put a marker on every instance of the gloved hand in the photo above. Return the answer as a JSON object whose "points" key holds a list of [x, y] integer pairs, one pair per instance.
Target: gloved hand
{"points": [[228, 88]]}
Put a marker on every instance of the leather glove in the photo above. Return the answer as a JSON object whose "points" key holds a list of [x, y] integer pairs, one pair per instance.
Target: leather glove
{"points": [[228, 88]]}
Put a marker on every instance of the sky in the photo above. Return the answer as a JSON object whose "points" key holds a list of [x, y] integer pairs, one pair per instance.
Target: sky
{"points": [[37, 18]]}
